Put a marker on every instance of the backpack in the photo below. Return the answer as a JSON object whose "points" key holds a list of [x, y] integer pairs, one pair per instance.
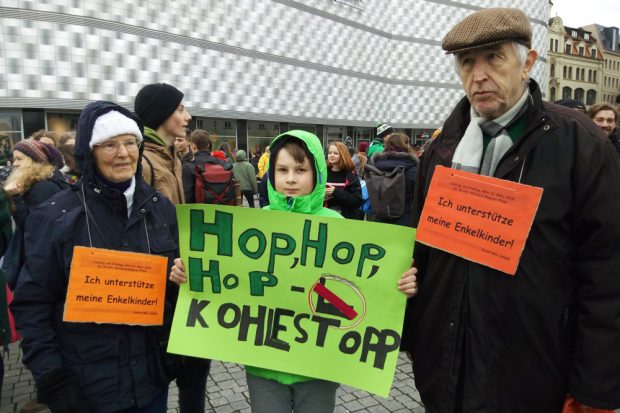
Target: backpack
{"points": [[215, 184], [387, 191]]}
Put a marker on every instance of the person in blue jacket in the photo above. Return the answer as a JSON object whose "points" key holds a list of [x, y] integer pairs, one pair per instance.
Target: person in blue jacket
{"points": [[88, 367]]}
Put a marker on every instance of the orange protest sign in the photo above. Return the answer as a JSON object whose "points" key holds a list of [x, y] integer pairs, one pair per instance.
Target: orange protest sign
{"points": [[480, 218], [116, 287]]}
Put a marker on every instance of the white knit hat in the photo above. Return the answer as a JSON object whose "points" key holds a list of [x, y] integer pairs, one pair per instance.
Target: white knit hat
{"points": [[111, 125]]}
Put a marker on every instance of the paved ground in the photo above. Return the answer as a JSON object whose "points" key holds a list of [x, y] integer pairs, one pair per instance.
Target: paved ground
{"points": [[228, 392]]}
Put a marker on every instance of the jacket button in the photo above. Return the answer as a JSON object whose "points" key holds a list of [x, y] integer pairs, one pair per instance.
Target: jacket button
{"points": [[154, 199], [142, 210], [547, 127], [125, 243], [516, 159]]}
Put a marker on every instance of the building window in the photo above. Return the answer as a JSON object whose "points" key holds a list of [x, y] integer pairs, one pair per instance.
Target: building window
{"points": [[586, 36], [570, 72], [594, 76], [552, 70], [574, 33], [564, 72], [567, 93], [552, 94], [593, 53], [221, 131], [551, 44], [556, 45], [591, 97], [260, 135], [10, 130], [581, 50], [589, 75], [579, 92], [567, 48]]}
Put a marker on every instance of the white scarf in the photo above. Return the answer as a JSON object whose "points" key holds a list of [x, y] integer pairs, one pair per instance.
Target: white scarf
{"points": [[468, 154], [129, 195]]}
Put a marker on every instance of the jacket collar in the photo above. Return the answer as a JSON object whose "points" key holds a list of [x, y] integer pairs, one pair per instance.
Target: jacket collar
{"points": [[457, 122]]}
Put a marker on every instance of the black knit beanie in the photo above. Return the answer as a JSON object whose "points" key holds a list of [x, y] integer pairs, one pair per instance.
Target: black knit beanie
{"points": [[156, 102]]}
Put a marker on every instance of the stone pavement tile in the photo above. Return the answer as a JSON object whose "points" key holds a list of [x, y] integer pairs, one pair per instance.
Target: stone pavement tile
{"points": [[227, 390], [368, 401], [353, 406]]}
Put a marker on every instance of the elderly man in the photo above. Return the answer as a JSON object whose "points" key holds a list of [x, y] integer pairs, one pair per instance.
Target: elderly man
{"points": [[484, 341], [606, 117]]}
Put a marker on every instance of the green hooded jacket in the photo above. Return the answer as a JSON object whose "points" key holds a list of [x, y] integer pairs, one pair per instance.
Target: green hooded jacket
{"points": [[305, 204]]}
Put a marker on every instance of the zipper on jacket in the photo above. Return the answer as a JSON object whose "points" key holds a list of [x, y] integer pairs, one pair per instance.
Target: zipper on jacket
{"points": [[290, 201]]}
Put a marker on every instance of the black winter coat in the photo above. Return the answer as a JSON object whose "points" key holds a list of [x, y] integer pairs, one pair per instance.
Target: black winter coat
{"points": [[117, 366], [388, 160], [347, 199], [484, 341], [37, 194]]}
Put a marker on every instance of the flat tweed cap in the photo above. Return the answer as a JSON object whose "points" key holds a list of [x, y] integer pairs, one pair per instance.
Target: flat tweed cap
{"points": [[487, 27]]}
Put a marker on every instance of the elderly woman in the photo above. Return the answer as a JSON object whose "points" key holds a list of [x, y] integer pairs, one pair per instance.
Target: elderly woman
{"points": [[87, 366]]}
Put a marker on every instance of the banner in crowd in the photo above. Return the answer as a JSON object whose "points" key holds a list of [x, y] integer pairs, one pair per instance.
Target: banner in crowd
{"points": [[480, 218], [297, 293]]}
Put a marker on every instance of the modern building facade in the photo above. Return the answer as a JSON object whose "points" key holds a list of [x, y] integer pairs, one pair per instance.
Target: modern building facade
{"points": [[250, 69], [609, 44], [574, 64]]}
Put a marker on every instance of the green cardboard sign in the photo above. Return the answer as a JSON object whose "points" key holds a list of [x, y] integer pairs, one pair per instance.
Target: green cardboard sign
{"points": [[290, 292]]}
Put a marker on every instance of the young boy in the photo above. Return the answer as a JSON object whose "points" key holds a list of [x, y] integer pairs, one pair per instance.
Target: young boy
{"points": [[296, 183]]}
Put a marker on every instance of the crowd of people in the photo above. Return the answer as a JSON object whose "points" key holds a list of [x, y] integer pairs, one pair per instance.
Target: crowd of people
{"points": [[537, 341]]}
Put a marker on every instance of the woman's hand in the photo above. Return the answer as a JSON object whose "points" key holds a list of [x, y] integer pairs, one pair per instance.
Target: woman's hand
{"points": [[177, 272], [13, 188], [329, 192], [408, 284]]}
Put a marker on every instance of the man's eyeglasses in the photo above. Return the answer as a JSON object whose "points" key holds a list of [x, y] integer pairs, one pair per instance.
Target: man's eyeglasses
{"points": [[112, 147]]}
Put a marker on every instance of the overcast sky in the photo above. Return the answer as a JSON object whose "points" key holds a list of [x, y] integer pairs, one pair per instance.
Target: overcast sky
{"points": [[577, 13]]}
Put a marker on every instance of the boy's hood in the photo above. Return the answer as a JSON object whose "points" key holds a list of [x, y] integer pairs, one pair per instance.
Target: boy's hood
{"points": [[306, 204]]}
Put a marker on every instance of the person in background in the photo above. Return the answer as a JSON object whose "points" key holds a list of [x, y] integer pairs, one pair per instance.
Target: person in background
{"points": [[606, 118], [35, 178], [381, 131], [96, 367], [573, 104], [182, 145], [46, 137], [263, 163], [244, 173], [263, 196], [255, 154], [201, 147], [70, 171], [221, 156], [6, 155], [360, 158], [486, 341], [343, 192], [67, 138], [160, 107], [7, 324], [397, 153], [225, 148]]}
